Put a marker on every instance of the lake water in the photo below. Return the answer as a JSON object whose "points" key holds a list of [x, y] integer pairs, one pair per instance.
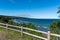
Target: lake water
{"points": [[41, 24]]}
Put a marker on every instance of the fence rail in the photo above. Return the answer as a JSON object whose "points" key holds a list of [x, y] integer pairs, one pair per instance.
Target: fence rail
{"points": [[47, 33]]}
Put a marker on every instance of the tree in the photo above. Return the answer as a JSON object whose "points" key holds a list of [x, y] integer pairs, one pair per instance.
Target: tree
{"points": [[55, 27], [59, 11]]}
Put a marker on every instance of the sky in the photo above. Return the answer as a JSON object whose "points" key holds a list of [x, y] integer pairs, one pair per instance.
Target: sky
{"points": [[30, 8]]}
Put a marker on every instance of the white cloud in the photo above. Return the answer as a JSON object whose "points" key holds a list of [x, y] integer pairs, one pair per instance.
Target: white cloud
{"points": [[25, 15]]}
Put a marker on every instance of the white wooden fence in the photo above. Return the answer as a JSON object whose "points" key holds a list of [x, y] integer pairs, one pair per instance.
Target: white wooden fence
{"points": [[47, 33]]}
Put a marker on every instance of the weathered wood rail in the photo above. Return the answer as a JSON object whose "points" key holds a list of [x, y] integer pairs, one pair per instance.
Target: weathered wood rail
{"points": [[7, 26]]}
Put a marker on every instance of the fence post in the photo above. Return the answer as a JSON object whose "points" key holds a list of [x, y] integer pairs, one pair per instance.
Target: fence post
{"points": [[6, 30], [6, 27], [48, 35], [21, 31], [57, 38]]}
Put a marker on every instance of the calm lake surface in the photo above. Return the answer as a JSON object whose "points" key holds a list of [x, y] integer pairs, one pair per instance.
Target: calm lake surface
{"points": [[41, 24]]}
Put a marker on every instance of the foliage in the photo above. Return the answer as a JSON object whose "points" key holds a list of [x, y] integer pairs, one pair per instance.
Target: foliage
{"points": [[58, 10], [23, 24], [8, 19], [13, 23], [58, 24], [55, 27], [31, 25], [4, 19]]}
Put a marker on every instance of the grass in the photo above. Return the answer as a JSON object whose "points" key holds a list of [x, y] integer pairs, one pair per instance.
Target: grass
{"points": [[10, 35], [14, 35]]}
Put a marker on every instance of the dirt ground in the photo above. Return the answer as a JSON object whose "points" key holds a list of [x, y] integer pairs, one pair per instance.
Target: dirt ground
{"points": [[2, 35]]}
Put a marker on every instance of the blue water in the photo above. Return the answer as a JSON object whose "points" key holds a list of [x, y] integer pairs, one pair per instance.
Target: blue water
{"points": [[41, 24]]}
